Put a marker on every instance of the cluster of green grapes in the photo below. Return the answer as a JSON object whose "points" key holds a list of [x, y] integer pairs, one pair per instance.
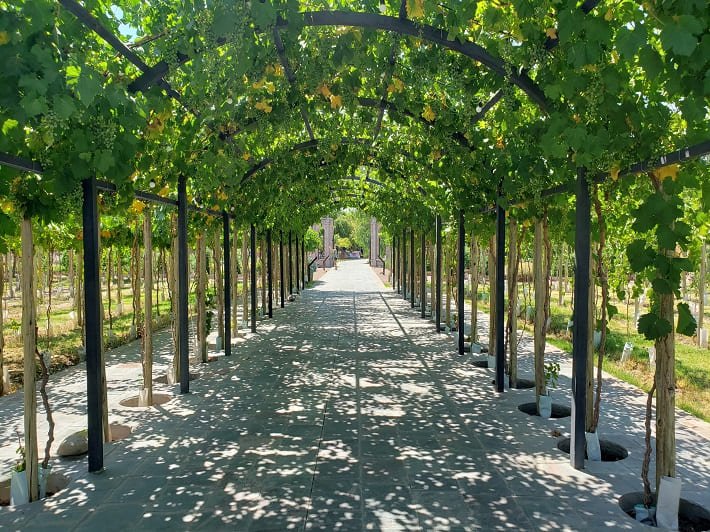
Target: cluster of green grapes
{"points": [[593, 94], [102, 132]]}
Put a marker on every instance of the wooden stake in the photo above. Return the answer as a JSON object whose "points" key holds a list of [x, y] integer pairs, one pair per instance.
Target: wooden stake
{"points": [[201, 287], [539, 287], [148, 309], [29, 334]]}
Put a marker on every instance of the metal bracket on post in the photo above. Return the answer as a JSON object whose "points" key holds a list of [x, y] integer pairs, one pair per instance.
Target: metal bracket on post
{"points": [[253, 277], [184, 354], [269, 273], [92, 317], [437, 280], [499, 295], [461, 314], [227, 287], [580, 318]]}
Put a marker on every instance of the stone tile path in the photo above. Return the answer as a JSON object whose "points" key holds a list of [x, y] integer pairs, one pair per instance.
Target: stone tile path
{"points": [[344, 412]]}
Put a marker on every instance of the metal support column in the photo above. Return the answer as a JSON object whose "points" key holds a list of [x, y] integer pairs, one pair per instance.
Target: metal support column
{"points": [[580, 319], [269, 273], [422, 300], [227, 287], [183, 323], [282, 289], [461, 314], [499, 295], [252, 240], [92, 317], [411, 267], [437, 274]]}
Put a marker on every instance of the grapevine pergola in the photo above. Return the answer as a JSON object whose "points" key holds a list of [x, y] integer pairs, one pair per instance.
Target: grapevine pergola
{"points": [[249, 111]]}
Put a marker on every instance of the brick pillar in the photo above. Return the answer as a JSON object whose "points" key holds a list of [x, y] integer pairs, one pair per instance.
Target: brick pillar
{"points": [[328, 242]]}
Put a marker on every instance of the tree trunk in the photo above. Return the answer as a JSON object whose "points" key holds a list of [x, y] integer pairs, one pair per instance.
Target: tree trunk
{"points": [[604, 284], [173, 285], [2, 335], [262, 261], [591, 327], [475, 260], [135, 276], [540, 287], [109, 274], [79, 292], [148, 312], [245, 276], [512, 331], [234, 280], [201, 288], [70, 272], [447, 269], [119, 281], [29, 334], [701, 287], [560, 274], [219, 285], [491, 299]]}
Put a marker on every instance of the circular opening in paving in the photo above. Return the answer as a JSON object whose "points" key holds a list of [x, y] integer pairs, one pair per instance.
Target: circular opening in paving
{"points": [[163, 379], [611, 452], [524, 384], [691, 517], [480, 363], [56, 482], [558, 410], [158, 399]]}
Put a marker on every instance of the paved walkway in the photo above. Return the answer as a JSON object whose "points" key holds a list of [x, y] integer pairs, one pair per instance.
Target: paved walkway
{"points": [[344, 412]]}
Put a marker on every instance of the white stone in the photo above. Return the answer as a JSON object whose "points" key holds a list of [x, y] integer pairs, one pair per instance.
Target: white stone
{"points": [[75, 444]]}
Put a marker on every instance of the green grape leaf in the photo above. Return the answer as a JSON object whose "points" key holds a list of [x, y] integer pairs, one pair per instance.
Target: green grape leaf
{"points": [[64, 106], [652, 327], [88, 87], [640, 257], [661, 286], [679, 34], [611, 310], [686, 321]]}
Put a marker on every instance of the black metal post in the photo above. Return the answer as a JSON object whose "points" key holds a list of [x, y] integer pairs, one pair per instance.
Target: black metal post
{"points": [[404, 264], [499, 293], [462, 245], [183, 332], [92, 317], [422, 299], [411, 267], [281, 267], [437, 281], [580, 352], [290, 264], [227, 288], [269, 273], [253, 277]]}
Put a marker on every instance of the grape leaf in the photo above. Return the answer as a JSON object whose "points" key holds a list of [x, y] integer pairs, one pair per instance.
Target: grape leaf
{"points": [[652, 327], [686, 321]]}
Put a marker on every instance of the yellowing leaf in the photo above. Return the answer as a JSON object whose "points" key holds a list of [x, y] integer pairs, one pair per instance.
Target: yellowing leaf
{"points": [[608, 15], [137, 207], [269, 69], [335, 101], [500, 144], [397, 85], [258, 84], [667, 171], [428, 114], [246, 156], [415, 8], [4, 38], [551, 33], [105, 233], [164, 191], [278, 70], [614, 172], [324, 91], [270, 87], [264, 106]]}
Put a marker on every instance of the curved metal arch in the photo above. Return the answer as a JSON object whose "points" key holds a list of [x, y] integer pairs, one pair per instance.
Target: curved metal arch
{"points": [[392, 24]]}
